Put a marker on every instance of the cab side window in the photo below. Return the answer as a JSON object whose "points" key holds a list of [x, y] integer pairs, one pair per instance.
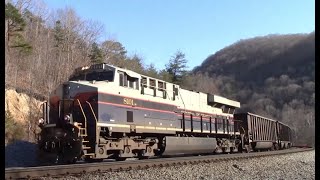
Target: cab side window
{"points": [[128, 81], [121, 79]]}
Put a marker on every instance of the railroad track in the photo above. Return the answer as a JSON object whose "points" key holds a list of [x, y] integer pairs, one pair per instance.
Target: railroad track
{"points": [[61, 170]]}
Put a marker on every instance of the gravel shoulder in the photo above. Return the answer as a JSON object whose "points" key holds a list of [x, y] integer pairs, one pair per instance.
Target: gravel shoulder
{"points": [[290, 166]]}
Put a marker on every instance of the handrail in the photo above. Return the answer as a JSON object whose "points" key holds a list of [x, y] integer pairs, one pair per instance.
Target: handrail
{"points": [[85, 118], [95, 117], [44, 108], [41, 107]]}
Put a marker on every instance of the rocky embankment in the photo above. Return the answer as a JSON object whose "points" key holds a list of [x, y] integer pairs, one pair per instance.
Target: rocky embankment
{"points": [[21, 106], [25, 111]]}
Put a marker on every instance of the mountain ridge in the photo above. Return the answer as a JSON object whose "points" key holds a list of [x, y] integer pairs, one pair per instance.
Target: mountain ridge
{"points": [[272, 75]]}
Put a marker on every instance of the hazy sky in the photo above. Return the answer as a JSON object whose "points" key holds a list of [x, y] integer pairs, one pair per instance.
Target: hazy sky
{"points": [[155, 29]]}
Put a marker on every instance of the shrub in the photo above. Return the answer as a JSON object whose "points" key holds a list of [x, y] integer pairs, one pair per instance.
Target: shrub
{"points": [[13, 130]]}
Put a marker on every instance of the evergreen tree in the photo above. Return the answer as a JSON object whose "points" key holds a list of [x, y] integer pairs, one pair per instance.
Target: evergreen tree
{"points": [[15, 20], [164, 75], [134, 63], [152, 71], [16, 25], [58, 34], [176, 67], [96, 54]]}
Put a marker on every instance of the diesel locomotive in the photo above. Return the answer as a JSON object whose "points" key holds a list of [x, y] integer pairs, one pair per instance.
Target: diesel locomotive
{"points": [[107, 112]]}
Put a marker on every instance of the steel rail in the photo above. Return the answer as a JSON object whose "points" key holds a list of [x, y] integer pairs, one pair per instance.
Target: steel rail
{"points": [[61, 170]]}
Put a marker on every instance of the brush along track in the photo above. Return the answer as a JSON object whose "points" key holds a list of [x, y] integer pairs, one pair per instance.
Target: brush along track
{"points": [[61, 170]]}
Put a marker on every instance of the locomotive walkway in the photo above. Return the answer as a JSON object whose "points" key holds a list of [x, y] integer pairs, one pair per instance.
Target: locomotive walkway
{"points": [[61, 170]]}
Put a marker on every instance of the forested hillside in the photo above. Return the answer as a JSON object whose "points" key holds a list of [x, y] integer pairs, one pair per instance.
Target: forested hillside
{"points": [[272, 75], [43, 46]]}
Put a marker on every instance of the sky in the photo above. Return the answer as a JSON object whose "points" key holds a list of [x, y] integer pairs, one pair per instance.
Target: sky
{"points": [[156, 29]]}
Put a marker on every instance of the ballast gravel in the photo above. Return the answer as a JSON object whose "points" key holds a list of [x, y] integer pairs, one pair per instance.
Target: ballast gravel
{"points": [[290, 166]]}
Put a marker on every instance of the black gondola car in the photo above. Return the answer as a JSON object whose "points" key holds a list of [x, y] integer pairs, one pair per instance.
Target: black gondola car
{"points": [[259, 132]]}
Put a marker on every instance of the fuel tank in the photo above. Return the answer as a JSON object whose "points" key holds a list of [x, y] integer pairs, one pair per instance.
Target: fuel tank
{"points": [[188, 145]]}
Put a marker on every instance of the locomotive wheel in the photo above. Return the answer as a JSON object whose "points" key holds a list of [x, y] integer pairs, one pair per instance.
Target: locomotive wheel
{"points": [[272, 148], [248, 148], [73, 161], [141, 154]]}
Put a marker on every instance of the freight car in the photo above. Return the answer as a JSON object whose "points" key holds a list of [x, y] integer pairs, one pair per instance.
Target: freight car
{"points": [[258, 133], [107, 112]]}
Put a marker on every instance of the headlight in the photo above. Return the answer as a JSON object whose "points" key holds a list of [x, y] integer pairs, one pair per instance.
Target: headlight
{"points": [[67, 118], [41, 121]]}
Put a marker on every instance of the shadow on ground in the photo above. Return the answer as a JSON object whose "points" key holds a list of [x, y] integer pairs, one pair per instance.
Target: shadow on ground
{"points": [[20, 154]]}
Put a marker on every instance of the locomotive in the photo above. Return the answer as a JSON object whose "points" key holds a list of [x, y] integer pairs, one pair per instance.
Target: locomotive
{"points": [[108, 112]]}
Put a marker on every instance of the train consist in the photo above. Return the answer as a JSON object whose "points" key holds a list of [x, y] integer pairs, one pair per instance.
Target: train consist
{"points": [[107, 112]]}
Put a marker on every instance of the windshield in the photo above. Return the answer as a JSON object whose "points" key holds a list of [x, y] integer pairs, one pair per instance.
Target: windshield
{"points": [[97, 76]]}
